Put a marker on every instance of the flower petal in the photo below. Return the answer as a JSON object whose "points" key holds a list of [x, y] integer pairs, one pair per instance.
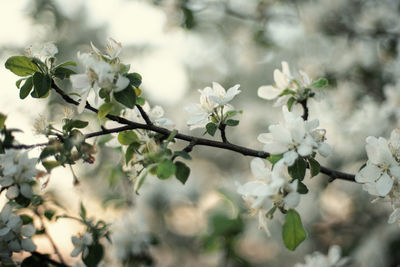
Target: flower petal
{"points": [[384, 185], [268, 92]]}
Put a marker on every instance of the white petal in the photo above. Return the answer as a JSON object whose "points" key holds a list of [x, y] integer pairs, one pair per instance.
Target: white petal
{"points": [[292, 200], [275, 148], [82, 104], [280, 80], [80, 81], [286, 69], [28, 230], [122, 83], [290, 157], [262, 222], [395, 171], [87, 239], [395, 216], [324, 149], [334, 254], [369, 174], [6, 181], [258, 169], [76, 252], [280, 134], [268, 92], [265, 138], [4, 230], [26, 190], [14, 246], [384, 185], [12, 192], [28, 245], [304, 149]]}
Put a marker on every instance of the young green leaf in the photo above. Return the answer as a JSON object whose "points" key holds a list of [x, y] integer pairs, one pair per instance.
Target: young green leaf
{"points": [[302, 188], [26, 88], [104, 110], [21, 66], [315, 167], [63, 73], [232, 122], [293, 232], [274, 158], [67, 63], [71, 124], [290, 103], [287, 92], [82, 212], [135, 79], [211, 128], [320, 83], [298, 169], [126, 138], [126, 97], [165, 169], [182, 172], [182, 154], [2, 120], [41, 83], [49, 214], [139, 181]]}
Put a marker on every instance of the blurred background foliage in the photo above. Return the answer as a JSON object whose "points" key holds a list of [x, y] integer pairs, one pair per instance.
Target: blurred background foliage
{"points": [[180, 46]]}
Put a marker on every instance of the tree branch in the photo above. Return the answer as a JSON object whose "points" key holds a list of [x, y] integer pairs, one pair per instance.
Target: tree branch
{"points": [[305, 109], [222, 127], [130, 125], [144, 115]]}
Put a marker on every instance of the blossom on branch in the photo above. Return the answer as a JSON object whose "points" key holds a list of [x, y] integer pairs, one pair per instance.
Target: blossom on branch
{"points": [[294, 137], [213, 105], [81, 244], [288, 89]]}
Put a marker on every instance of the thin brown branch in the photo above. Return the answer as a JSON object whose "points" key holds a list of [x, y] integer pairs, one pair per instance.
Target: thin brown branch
{"points": [[222, 127], [144, 115], [53, 244], [305, 109], [195, 140], [44, 258]]}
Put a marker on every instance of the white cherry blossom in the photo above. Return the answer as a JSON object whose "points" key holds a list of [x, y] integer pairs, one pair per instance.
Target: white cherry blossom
{"points": [[81, 244], [294, 137]]}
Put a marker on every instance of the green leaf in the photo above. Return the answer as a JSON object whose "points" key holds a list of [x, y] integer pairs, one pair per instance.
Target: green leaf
{"points": [[126, 138], [287, 92], [182, 172], [47, 152], [231, 113], [18, 82], [140, 101], [26, 88], [211, 128], [320, 83], [82, 212], [290, 103], [104, 110], [165, 169], [274, 158], [302, 188], [126, 97], [135, 79], [26, 219], [293, 232], [232, 122], [130, 151], [21, 66], [182, 154], [70, 124], [50, 164], [2, 120], [63, 73], [315, 167], [171, 136], [67, 63], [298, 169], [95, 255], [140, 180], [41, 83], [49, 214]]}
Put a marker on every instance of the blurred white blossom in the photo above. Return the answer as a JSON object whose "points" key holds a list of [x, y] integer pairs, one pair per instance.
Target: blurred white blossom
{"points": [[81, 244], [317, 259]]}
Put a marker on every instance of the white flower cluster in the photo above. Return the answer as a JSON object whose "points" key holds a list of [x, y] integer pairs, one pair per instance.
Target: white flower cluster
{"points": [[317, 259], [294, 137], [213, 105], [17, 172], [14, 236], [155, 113], [273, 186], [381, 174], [287, 86], [48, 50], [81, 244], [102, 71]]}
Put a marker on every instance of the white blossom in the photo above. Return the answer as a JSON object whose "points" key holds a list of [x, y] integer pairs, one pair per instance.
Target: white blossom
{"points": [[81, 244], [381, 169], [213, 104], [49, 50], [294, 137], [17, 171], [317, 259]]}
